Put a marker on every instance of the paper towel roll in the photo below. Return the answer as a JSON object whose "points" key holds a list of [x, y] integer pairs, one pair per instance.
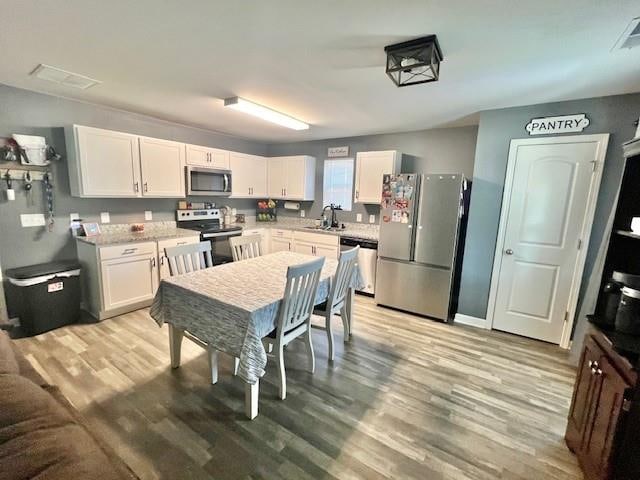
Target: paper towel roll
{"points": [[292, 205]]}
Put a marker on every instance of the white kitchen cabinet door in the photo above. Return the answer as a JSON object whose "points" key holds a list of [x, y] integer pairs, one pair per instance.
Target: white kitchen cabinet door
{"points": [[292, 177], [207, 157], [128, 280], [280, 245], [370, 167], [249, 175], [104, 163], [162, 168], [277, 177], [303, 247], [326, 251], [301, 177], [163, 262]]}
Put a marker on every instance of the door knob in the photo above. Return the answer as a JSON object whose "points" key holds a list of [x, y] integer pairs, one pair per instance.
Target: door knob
{"points": [[508, 251]]}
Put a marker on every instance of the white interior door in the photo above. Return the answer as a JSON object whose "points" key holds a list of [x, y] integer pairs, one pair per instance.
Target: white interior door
{"points": [[547, 214]]}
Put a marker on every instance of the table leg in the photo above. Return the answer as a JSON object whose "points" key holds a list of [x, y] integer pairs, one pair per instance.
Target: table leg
{"points": [[349, 308], [213, 365], [251, 399], [175, 344]]}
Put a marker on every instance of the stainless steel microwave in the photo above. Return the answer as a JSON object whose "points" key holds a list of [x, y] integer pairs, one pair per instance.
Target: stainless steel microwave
{"points": [[203, 181]]}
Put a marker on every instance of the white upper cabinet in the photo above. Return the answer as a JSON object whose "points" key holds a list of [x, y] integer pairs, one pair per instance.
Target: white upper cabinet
{"points": [[207, 157], [162, 168], [248, 175], [292, 177], [102, 163], [370, 167]]}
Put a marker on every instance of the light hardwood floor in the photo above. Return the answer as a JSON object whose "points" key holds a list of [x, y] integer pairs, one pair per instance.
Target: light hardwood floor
{"points": [[407, 398]]}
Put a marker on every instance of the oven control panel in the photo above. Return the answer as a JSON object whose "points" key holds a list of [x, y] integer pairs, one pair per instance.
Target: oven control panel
{"points": [[204, 214]]}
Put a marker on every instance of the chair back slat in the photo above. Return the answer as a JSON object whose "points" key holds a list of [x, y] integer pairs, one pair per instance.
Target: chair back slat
{"points": [[343, 278], [245, 246], [189, 258], [299, 295]]}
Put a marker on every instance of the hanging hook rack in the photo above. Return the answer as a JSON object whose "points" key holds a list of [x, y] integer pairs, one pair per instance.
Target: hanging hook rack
{"points": [[17, 172]]}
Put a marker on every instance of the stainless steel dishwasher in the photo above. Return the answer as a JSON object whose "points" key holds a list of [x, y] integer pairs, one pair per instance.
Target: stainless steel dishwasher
{"points": [[367, 260]]}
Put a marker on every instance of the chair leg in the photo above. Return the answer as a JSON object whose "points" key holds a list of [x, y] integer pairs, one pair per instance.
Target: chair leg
{"points": [[213, 365], [236, 364], [346, 324], [312, 358], [329, 330], [281, 372]]}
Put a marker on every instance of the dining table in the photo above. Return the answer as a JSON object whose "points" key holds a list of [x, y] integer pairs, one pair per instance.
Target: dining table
{"points": [[229, 308]]}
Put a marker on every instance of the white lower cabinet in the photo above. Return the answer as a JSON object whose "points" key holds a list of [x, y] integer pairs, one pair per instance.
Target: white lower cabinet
{"points": [[122, 278], [129, 280], [281, 240], [263, 233], [317, 244], [163, 263]]}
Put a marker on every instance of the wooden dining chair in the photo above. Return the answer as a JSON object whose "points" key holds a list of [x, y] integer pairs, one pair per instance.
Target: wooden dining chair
{"points": [[294, 316], [245, 246], [337, 301], [189, 258]]}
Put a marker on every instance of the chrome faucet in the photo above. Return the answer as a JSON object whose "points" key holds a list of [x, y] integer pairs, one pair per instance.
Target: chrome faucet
{"points": [[334, 218]]}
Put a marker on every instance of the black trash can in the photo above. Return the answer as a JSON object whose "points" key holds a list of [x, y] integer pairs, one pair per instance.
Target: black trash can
{"points": [[45, 296], [628, 316]]}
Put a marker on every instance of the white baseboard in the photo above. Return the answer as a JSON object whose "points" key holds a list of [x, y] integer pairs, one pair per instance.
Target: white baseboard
{"points": [[470, 321]]}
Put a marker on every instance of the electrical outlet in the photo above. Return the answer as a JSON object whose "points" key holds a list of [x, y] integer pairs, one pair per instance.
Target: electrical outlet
{"points": [[302, 213], [74, 216], [105, 217], [32, 220], [148, 215], [358, 217], [372, 219]]}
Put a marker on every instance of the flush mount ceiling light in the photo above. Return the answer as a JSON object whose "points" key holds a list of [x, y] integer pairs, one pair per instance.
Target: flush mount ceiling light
{"points": [[63, 77], [265, 113], [415, 61]]}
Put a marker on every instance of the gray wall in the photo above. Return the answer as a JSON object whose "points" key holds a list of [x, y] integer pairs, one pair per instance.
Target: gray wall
{"points": [[27, 112], [614, 115], [446, 150]]}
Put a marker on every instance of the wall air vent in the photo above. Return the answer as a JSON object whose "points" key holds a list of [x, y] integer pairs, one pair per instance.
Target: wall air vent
{"points": [[630, 37], [63, 77]]}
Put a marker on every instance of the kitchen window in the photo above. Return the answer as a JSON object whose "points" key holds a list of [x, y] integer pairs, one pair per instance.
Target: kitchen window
{"points": [[338, 183]]}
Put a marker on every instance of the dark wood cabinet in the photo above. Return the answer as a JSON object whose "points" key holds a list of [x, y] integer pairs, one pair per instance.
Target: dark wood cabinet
{"points": [[601, 399]]}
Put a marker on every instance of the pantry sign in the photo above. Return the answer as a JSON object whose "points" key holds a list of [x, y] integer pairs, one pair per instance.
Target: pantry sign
{"points": [[563, 124]]}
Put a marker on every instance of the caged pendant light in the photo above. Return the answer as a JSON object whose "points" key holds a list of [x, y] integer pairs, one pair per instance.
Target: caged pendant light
{"points": [[414, 61]]}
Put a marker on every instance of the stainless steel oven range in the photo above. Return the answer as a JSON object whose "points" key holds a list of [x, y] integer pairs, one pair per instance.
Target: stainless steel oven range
{"points": [[208, 222]]}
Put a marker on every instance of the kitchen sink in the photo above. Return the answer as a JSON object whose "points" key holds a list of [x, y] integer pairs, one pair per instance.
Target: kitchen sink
{"points": [[326, 229]]}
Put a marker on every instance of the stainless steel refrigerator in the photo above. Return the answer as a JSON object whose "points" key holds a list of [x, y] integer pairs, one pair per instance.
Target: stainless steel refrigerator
{"points": [[420, 235]]}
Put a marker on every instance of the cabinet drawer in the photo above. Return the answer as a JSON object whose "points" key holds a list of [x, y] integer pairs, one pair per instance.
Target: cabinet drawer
{"points": [[127, 250], [318, 238], [279, 233], [254, 231], [174, 242]]}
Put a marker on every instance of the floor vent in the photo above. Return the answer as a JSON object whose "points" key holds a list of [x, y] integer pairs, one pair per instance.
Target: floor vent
{"points": [[63, 77], [630, 37]]}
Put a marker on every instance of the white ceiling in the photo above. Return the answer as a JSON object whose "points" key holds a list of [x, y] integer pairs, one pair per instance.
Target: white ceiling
{"points": [[320, 61]]}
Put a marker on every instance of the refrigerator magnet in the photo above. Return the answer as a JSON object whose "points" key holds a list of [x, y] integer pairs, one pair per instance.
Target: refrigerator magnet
{"points": [[386, 218], [396, 216]]}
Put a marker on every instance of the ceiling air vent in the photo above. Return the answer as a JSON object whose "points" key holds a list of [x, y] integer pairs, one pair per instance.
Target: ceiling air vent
{"points": [[63, 77], [631, 36]]}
